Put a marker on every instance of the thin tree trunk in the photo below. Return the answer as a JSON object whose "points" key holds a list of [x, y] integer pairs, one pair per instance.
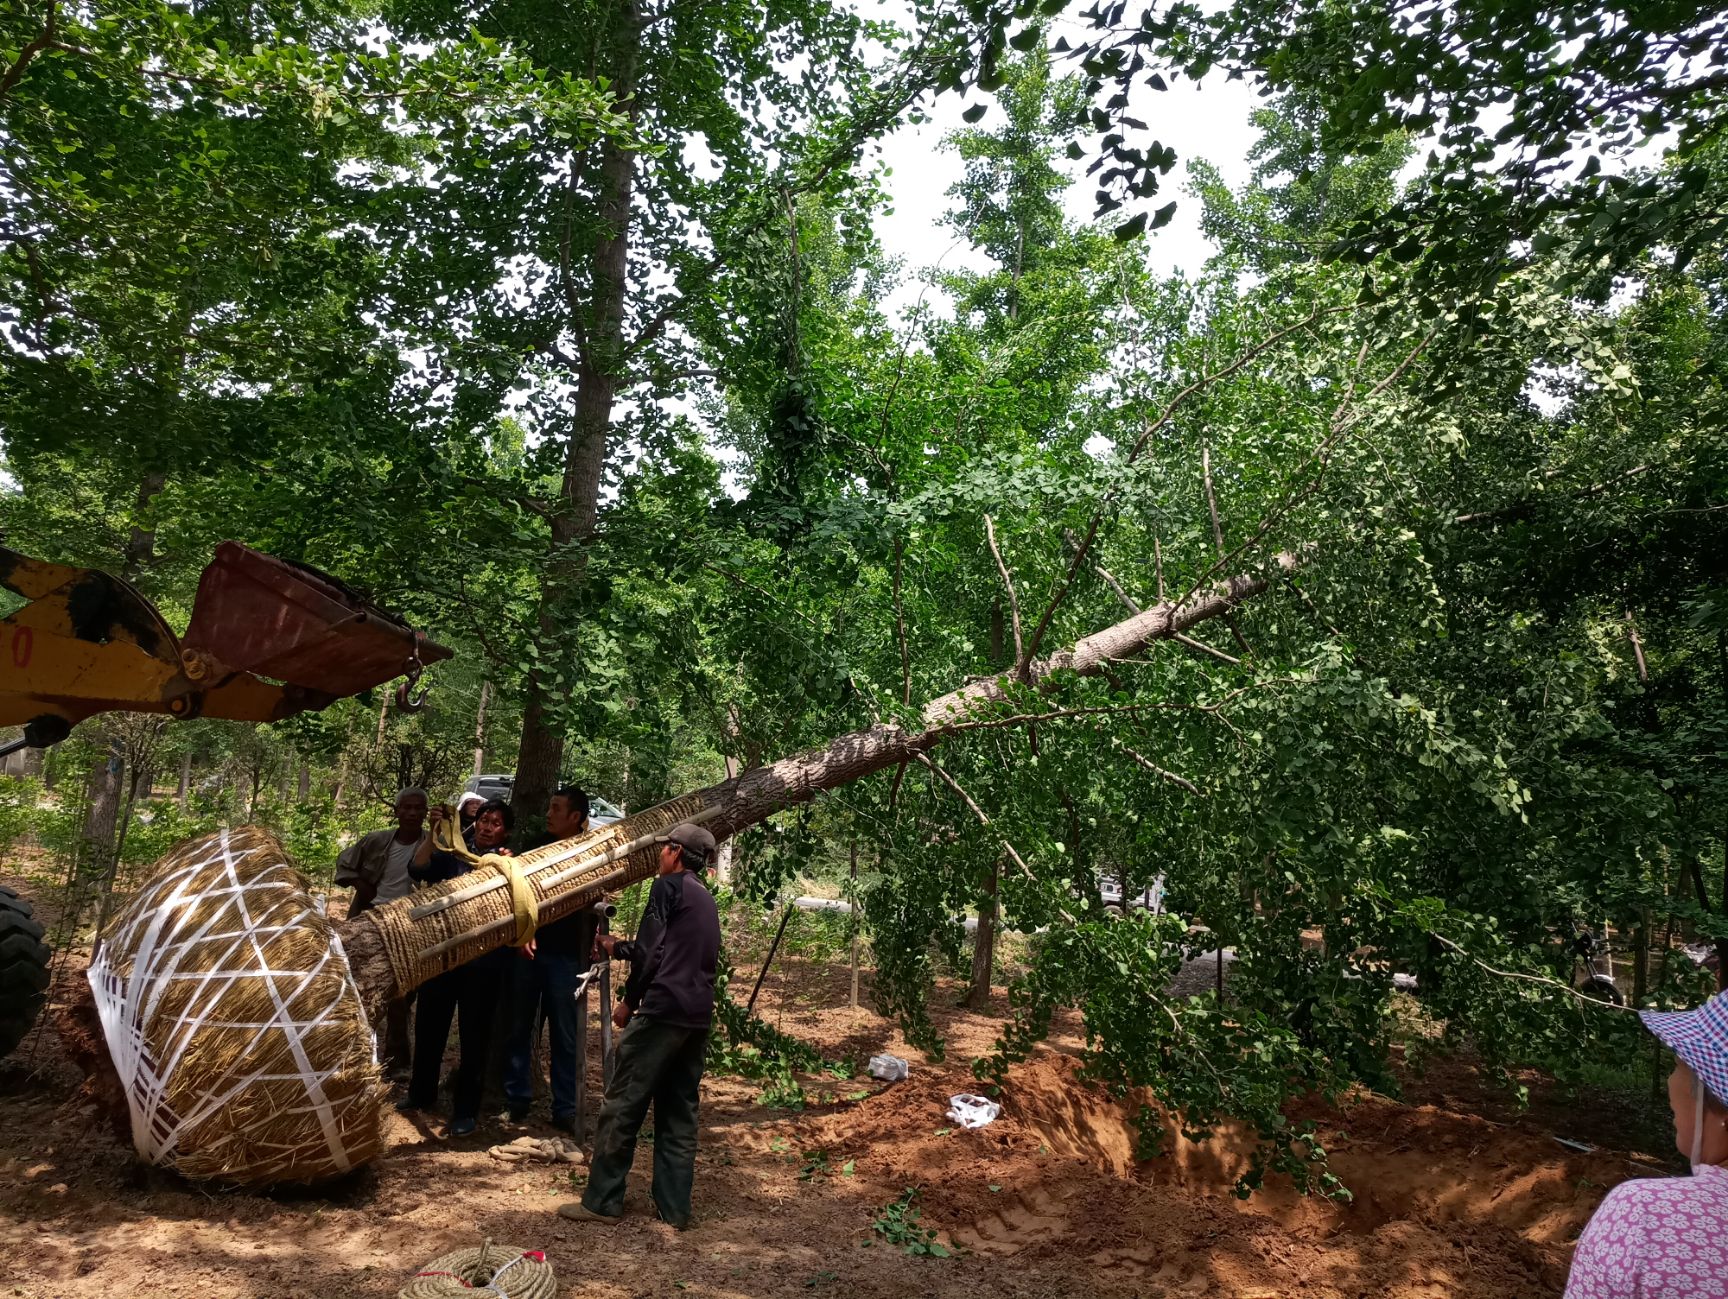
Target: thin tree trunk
{"points": [[96, 840], [984, 944], [303, 787], [1640, 958], [184, 791], [857, 915], [480, 728], [541, 751]]}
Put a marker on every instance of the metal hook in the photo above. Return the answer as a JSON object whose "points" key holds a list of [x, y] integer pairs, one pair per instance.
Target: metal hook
{"points": [[407, 702]]}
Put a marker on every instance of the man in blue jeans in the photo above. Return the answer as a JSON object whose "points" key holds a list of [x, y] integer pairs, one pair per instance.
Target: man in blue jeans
{"points": [[543, 980], [667, 1007]]}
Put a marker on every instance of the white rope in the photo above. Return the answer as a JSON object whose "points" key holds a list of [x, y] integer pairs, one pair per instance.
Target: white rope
{"points": [[129, 992]]}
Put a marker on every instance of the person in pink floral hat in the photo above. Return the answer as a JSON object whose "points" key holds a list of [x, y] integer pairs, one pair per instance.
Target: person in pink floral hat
{"points": [[1667, 1237]]}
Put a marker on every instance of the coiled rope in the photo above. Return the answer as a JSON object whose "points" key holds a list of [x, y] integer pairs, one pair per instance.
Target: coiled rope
{"points": [[507, 1271]]}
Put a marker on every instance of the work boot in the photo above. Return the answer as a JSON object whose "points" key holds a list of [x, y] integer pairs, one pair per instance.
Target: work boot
{"points": [[566, 1125], [579, 1212], [463, 1127]]}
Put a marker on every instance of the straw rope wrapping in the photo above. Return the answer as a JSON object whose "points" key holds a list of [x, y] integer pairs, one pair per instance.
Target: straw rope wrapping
{"points": [[501, 1270], [437, 929], [233, 1021]]}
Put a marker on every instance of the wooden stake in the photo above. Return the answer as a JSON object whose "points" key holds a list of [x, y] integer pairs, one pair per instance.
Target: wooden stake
{"points": [[857, 909]]}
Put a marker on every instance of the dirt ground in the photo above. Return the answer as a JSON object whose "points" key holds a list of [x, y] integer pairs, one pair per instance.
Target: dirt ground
{"points": [[1046, 1201]]}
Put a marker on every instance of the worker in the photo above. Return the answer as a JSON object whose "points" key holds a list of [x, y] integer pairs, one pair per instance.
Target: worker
{"points": [[468, 993], [667, 1006], [1667, 1237], [375, 866], [467, 808], [544, 981]]}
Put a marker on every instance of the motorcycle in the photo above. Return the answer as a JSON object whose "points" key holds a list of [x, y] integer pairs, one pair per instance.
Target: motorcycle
{"points": [[1598, 983]]}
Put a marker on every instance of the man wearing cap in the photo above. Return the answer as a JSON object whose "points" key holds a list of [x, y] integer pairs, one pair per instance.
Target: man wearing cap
{"points": [[667, 1006]]}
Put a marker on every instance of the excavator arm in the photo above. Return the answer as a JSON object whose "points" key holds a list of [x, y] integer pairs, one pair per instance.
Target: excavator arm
{"points": [[268, 639]]}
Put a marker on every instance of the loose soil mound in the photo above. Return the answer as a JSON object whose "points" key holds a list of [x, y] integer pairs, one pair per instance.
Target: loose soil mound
{"points": [[1046, 1202], [1443, 1204]]}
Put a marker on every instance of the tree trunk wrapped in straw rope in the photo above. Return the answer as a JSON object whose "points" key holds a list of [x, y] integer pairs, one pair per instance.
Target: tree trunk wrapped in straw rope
{"points": [[236, 1015]]}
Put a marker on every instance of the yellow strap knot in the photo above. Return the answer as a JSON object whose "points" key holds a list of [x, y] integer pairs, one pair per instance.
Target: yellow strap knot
{"points": [[522, 899]]}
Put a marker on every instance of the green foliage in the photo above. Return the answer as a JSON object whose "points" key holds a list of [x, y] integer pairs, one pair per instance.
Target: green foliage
{"points": [[20, 809], [566, 335], [897, 1224], [752, 1048]]}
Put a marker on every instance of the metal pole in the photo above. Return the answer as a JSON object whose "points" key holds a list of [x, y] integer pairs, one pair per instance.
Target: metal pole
{"points": [[606, 1044], [772, 948], [607, 1050], [582, 1064]]}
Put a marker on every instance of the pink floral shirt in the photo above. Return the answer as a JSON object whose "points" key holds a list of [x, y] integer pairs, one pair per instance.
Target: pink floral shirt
{"points": [[1656, 1238]]}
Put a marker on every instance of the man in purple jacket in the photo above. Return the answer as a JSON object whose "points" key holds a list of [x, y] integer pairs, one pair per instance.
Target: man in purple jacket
{"points": [[667, 1007]]}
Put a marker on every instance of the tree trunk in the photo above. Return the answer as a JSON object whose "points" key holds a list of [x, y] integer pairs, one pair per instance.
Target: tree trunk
{"points": [[184, 791], [480, 728], [856, 917], [541, 751], [984, 942], [304, 786], [734, 804], [96, 841]]}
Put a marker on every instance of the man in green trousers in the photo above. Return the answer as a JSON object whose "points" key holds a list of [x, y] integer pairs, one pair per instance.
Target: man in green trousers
{"points": [[667, 1007]]}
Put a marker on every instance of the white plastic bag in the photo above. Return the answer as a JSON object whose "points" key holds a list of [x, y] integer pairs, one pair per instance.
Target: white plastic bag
{"points": [[970, 1111], [889, 1068]]}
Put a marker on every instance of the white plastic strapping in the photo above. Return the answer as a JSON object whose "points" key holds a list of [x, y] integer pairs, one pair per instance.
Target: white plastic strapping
{"points": [[147, 955]]}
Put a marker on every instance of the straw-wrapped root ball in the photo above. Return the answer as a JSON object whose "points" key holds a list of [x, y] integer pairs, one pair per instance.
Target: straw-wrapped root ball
{"points": [[233, 1022]]}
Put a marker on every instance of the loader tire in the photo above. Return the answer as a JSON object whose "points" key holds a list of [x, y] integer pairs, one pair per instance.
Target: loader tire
{"points": [[23, 970]]}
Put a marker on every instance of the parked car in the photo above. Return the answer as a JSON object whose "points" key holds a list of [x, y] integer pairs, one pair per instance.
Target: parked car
{"points": [[501, 785], [489, 787], [1151, 898]]}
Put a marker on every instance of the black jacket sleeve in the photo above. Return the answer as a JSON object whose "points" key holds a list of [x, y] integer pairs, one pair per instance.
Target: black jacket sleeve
{"points": [[645, 951]]}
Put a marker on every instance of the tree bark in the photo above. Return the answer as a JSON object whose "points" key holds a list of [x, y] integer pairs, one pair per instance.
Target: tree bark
{"points": [[602, 349], [757, 793], [184, 791], [984, 942], [480, 728], [96, 840]]}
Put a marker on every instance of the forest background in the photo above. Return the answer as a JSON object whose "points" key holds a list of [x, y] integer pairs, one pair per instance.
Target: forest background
{"points": [[563, 329]]}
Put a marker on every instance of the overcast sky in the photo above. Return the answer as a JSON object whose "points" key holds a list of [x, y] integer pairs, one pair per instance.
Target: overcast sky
{"points": [[1208, 121]]}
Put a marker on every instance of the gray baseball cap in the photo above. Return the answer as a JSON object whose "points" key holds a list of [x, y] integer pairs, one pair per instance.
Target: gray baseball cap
{"points": [[692, 838]]}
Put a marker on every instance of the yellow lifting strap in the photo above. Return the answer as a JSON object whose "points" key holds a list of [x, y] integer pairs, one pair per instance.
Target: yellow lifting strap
{"points": [[522, 900]]}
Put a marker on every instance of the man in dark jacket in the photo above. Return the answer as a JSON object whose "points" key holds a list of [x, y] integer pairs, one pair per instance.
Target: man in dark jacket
{"points": [[667, 1006], [469, 993], [543, 982]]}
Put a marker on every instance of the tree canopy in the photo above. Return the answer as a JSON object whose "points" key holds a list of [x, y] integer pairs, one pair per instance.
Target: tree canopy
{"points": [[563, 329]]}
